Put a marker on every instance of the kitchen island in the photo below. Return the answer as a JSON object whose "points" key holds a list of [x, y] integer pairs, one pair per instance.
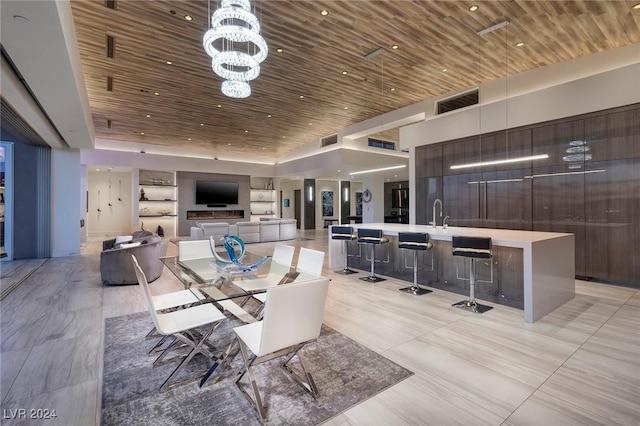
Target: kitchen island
{"points": [[545, 268]]}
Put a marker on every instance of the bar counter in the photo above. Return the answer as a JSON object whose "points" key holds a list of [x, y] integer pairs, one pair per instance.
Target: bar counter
{"points": [[548, 260]]}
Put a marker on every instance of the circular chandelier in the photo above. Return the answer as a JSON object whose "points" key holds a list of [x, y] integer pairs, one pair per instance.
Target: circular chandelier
{"points": [[235, 46]]}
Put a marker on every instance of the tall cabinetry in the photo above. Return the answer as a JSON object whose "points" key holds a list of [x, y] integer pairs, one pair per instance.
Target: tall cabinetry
{"points": [[588, 186], [157, 201]]}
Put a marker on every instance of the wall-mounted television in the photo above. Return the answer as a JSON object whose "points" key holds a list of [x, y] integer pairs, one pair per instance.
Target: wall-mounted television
{"points": [[400, 198], [213, 192]]}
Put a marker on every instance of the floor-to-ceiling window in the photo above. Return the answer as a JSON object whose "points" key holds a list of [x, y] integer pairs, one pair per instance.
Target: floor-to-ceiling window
{"points": [[6, 185]]}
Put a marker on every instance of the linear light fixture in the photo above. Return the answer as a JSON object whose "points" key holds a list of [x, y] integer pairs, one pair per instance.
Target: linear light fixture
{"points": [[505, 161], [378, 170]]}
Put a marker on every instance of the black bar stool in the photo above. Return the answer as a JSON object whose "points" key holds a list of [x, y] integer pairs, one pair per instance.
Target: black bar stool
{"points": [[414, 241], [372, 237], [344, 234], [473, 248]]}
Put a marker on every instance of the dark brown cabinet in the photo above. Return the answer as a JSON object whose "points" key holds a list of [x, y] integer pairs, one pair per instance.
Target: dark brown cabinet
{"points": [[589, 186], [427, 191], [429, 161], [612, 190]]}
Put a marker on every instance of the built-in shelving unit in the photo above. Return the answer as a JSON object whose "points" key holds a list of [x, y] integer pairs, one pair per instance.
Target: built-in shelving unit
{"points": [[263, 199], [157, 201]]}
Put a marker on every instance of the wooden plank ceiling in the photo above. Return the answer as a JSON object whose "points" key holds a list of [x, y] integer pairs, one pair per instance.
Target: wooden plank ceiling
{"points": [[190, 111]]}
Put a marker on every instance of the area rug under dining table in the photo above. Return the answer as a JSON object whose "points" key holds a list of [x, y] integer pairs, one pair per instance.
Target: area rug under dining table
{"points": [[345, 372]]}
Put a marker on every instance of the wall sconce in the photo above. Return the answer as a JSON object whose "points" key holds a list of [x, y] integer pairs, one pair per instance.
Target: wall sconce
{"points": [[310, 193], [346, 194]]}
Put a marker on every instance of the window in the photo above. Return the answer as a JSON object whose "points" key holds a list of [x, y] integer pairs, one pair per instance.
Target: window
{"points": [[377, 143]]}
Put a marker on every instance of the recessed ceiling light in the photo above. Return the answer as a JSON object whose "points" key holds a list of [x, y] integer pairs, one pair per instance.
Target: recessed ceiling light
{"points": [[188, 18], [279, 50], [394, 46], [202, 124], [246, 131], [346, 107], [344, 73], [148, 115], [636, 6], [229, 144], [284, 137], [444, 70], [142, 133], [473, 8], [520, 44], [188, 139], [157, 93], [393, 89], [324, 12], [269, 115], [301, 96], [219, 106], [169, 63], [310, 124]]}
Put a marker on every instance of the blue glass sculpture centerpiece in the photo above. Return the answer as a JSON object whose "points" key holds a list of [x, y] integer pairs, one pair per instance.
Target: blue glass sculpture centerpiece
{"points": [[235, 248]]}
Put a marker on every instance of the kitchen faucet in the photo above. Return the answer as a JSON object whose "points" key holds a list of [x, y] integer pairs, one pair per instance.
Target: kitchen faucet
{"points": [[434, 211]]}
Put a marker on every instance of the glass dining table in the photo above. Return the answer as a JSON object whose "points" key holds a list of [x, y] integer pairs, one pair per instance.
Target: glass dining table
{"points": [[224, 284]]}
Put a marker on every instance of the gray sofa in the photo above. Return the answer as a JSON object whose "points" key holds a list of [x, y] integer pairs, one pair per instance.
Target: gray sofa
{"points": [[116, 266]]}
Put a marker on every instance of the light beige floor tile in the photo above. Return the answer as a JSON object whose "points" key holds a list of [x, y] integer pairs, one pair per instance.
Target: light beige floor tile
{"points": [[461, 375], [543, 409], [420, 400], [517, 353], [599, 384]]}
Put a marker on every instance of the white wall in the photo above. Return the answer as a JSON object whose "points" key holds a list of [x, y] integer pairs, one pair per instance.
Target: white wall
{"points": [[109, 188], [65, 199], [287, 187]]}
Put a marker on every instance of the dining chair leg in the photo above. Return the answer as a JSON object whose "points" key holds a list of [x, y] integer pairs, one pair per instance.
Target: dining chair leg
{"points": [[256, 402], [307, 381], [196, 349]]}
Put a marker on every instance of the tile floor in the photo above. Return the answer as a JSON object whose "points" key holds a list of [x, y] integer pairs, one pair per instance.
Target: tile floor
{"points": [[579, 365]]}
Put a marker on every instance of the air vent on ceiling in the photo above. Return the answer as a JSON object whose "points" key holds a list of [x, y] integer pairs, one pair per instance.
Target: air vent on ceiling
{"points": [[111, 46], [111, 4], [379, 143], [456, 102], [329, 140], [110, 84], [108, 124]]}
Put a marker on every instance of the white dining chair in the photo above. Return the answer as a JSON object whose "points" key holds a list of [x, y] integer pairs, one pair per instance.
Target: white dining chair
{"points": [[292, 318], [281, 261], [181, 324], [309, 262]]}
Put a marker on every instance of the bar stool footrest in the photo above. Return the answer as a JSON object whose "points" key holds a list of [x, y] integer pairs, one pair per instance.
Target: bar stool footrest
{"points": [[473, 306], [373, 279], [346, 271], [416, 290]]}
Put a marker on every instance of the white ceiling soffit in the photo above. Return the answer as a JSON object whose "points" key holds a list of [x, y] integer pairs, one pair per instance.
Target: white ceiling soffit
{"points": [[39, 37]]}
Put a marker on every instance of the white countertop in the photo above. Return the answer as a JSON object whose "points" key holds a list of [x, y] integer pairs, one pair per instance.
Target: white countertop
{"points": [[499, 237]]}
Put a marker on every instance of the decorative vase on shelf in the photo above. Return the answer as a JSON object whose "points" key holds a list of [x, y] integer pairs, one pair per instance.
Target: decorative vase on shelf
{"points": [[142, 196]]}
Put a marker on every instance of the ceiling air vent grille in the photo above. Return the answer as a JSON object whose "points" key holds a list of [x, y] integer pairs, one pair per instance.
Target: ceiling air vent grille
{"points": [[329, 140], [109, 84], [456, 102], [111, 4]]}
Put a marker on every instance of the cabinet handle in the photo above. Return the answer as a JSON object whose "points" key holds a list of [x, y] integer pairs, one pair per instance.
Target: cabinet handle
{"points": [[485, 200]]}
